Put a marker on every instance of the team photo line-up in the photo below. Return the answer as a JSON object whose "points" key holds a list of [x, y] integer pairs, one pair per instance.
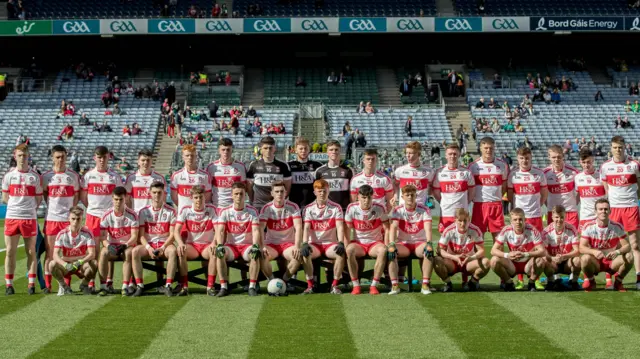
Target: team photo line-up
{"points": [[300, 211]]}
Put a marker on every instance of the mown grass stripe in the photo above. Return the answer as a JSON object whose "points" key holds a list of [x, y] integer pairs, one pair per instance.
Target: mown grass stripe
{"points": [[612, 305], [399, 326], [483, 329], [576, 328], [11, 304], [33, 326], [316, 323]]}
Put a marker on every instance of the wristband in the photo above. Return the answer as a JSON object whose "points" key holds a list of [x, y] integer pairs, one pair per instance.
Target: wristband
{"points": [[148, 246], [80, 261], [617, 251], [506, 255], [526, 255], [473, 257]]}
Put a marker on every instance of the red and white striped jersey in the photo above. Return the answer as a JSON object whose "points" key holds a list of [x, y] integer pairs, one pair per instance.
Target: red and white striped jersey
{"points": [[523, 242], [455, 242], [222, 178], [453, 185], [323, 221], [99, 186], [137, 186], [279, 221], [560, 243], [367, 223], [562, 188], [489, 177], [380, 182], [22, 187], [60, 187], [411, 223], [526, 186], [119, 227], [157, 223], [605, 239], [74, 246], [421, 177], [182, 181], [622, 178], [199, 225], [590, 188], [239, 224]]}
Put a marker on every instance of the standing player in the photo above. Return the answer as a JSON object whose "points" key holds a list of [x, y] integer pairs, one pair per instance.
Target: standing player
{"points": [[461, 250], [561, 186], [186, 178], [414, 173], [526, 252], [604, 248], [61, 191], [22, 192], [137, 184], [381, 183], [562, 242], [157, 223], [223, 173], [367, 234], [527, 189], [337, 175], [74, 253], [264, 172], [198, 220], [490, 175], [302, 174], [410, 231], [324, 230], [619, 176]]}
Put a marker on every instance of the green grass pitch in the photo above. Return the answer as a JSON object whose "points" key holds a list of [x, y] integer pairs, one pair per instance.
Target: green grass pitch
{"points": [[487, 324]]}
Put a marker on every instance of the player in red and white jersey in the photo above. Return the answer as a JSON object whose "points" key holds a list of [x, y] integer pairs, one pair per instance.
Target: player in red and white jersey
{"points": [[74, 252], [198, 220], [605, 248], [619, 176], [224, 173], [238, 229], [490, 175], [381, 183], [324, 231], [410, 232], [157, 223], [414, 173], [589, 187], [184, 179], [137, 184], [526, 252], [281, 222], [22, 192], [527, 189], [563, 257], [61, 191], [119, 235], [461, 251], [561, 186], [453, 187], [367, 234]]}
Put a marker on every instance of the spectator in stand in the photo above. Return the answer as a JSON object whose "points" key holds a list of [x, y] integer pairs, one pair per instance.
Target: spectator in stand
{"points": [[12, 10], [361, 107], [635, 107], [599, 96], [492, 104], [361, 140], [165, 12], [497, 81], [332, 79], [406, 88], [480, 104], [555, 96], [126, 131], [507, 159], [407, 126], [495, 125], [509, 127], [215, 11], [594, 147], [224, 12], [193, 12], [106, 99], [234, 124], [84, 120], [227, 79], [117, 111], [300, 82], [22, 139], [547, 97], [567, 148], [369, 109], [628, 150], [280, 129], [519, 127], [633, 89], [66, 134], [136, 130]]}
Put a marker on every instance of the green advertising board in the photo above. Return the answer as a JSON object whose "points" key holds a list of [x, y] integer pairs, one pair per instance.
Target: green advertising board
{"points": [[26, 28]]}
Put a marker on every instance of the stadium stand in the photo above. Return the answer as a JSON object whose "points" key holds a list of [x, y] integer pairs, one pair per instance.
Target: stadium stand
{"points": [[338, 8], [545, 7], [95, 9]]}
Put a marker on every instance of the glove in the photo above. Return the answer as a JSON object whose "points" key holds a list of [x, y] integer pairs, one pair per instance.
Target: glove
{"points": [[156, 252], [428, 251], [339, 249], [391, 251], [121, 249], [69, 267], [220, 251], [306, 250], [113, 250], [254, 252], [77, 264]]}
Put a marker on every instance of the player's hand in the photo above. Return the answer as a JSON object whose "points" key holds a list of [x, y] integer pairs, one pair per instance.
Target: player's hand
{"points": [[151, 252], [393, 201], [392, 251], [428, 251], [465, 260], [556, 259], [265, 252], [340, 249], [599, 255], [212, 250], [182, 249], [612, 255], [459, 260], [69, 268], [515, 255], [78, 264], [121, 249], [297, 254], [113, 250], [158, 252], [220, 251], [306, 250]]}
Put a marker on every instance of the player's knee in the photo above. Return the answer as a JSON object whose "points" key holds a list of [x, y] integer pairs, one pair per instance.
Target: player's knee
{"points": [[484, 262], [586, 259], [52, 266], [628, 257], [351, 250], [494, 262], [540, 262]]}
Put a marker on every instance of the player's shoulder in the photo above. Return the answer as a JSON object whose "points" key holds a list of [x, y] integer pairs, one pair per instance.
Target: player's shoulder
{"points": [[506, 229], [333, 204], [617, 226], [423, 208], [253, 210], [177, 173], [107, 214], [131, 212], [450, 229], [548, 229], [157, 175], [202, 172], [211, 207], [352, 206], [131, 177], [474, 229], [144, 209], [383, 175], [537, 170], [84, 230], [499, 162], [571, 169], [168, 208], [570, 227], [588, 226], [185, 210], [358, 175], [293, 205], [531, 229], [65, 231], [312, 204], [48, 173], [378, 207]]}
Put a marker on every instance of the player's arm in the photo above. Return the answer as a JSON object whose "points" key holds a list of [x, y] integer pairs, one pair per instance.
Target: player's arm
{"points": [[538, 251], [250, 189], [257, 231], [471, 192], [385, 226], [5, 197], [170, 239], [220, 233], [58, 257], [83, 197], [76, 197], [504, 188], [104, 238], [428, 233], [129, 201], [479, 251], [306, 232], [585, 248], [208, 197], [544, 193], [624, 247], [297, 225], [91, 254], [498, 251], [340, 232], [38, 200], [445, 254], [574, 253], [174, 197], [134, 236], [511, 197], [393, 231], [287, 185], [45, 193], [349, 234], [437, 194], [176, 234]]}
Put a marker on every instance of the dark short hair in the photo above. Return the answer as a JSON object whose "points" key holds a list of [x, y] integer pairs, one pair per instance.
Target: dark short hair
{"points": [[119, 191], [585, 153], [335, 143], [600, 201], [268, 140], [225, 142], [58, 148], [365, 191], [101, 151], [157, 184], [145, 152], [371, 152], [239, 185], [277, 184]]}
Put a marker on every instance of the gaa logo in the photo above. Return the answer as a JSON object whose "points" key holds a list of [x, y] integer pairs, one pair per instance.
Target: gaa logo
{"points": [[314, 25], [75, 27], [504, 24], [457, 25], [266, 26], [171, 26], [409, 25], [362, 25], [218, 26], [122, 26]]}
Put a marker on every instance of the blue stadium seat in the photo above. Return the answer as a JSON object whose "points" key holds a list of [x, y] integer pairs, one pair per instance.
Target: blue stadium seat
{"points": [[546, 7]]}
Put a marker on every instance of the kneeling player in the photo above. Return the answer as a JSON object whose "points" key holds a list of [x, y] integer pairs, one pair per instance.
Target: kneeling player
{"points": [[366, 222], [605, 248], [324, 230], [561, 240], [74, 253], [198, 219], [410, 233], [461, 251], [526, 252], [157, 225]]}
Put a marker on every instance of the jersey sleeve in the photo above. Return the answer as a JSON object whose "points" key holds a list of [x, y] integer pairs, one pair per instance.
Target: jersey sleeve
{"points": [[426, 216], [104, 222], [395, 214], [250, 171], [637, 169], [172, 217], [77, 185], [255, 221], [384, 217], [58, 242], [135, 222], [286, 171], [353, 187], [174, 182], [389, 186], [478, 237], [6, 180], [506, 173], [501, 239], [444, 240], [510, 182], [339, 214], [470, 181], [119, 180], [306, 217], [348, 217], [543, 180], [603, 173], [182, 216], [207, 183], [90, 241], [295, 211], [142, 218], [535, 237], [264, 214]]}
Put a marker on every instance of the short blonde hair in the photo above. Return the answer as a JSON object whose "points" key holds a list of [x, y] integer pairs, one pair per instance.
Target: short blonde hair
{"points": [[414, 145], [189, 148]]}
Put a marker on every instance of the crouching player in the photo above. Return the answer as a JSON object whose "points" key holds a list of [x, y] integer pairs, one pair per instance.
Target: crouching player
{"points": [[410, 233], [366, 222], [324, 230], [74, 253], [561, 241], [198, 220], [526, 252], [605, 248], [157, 225]]}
